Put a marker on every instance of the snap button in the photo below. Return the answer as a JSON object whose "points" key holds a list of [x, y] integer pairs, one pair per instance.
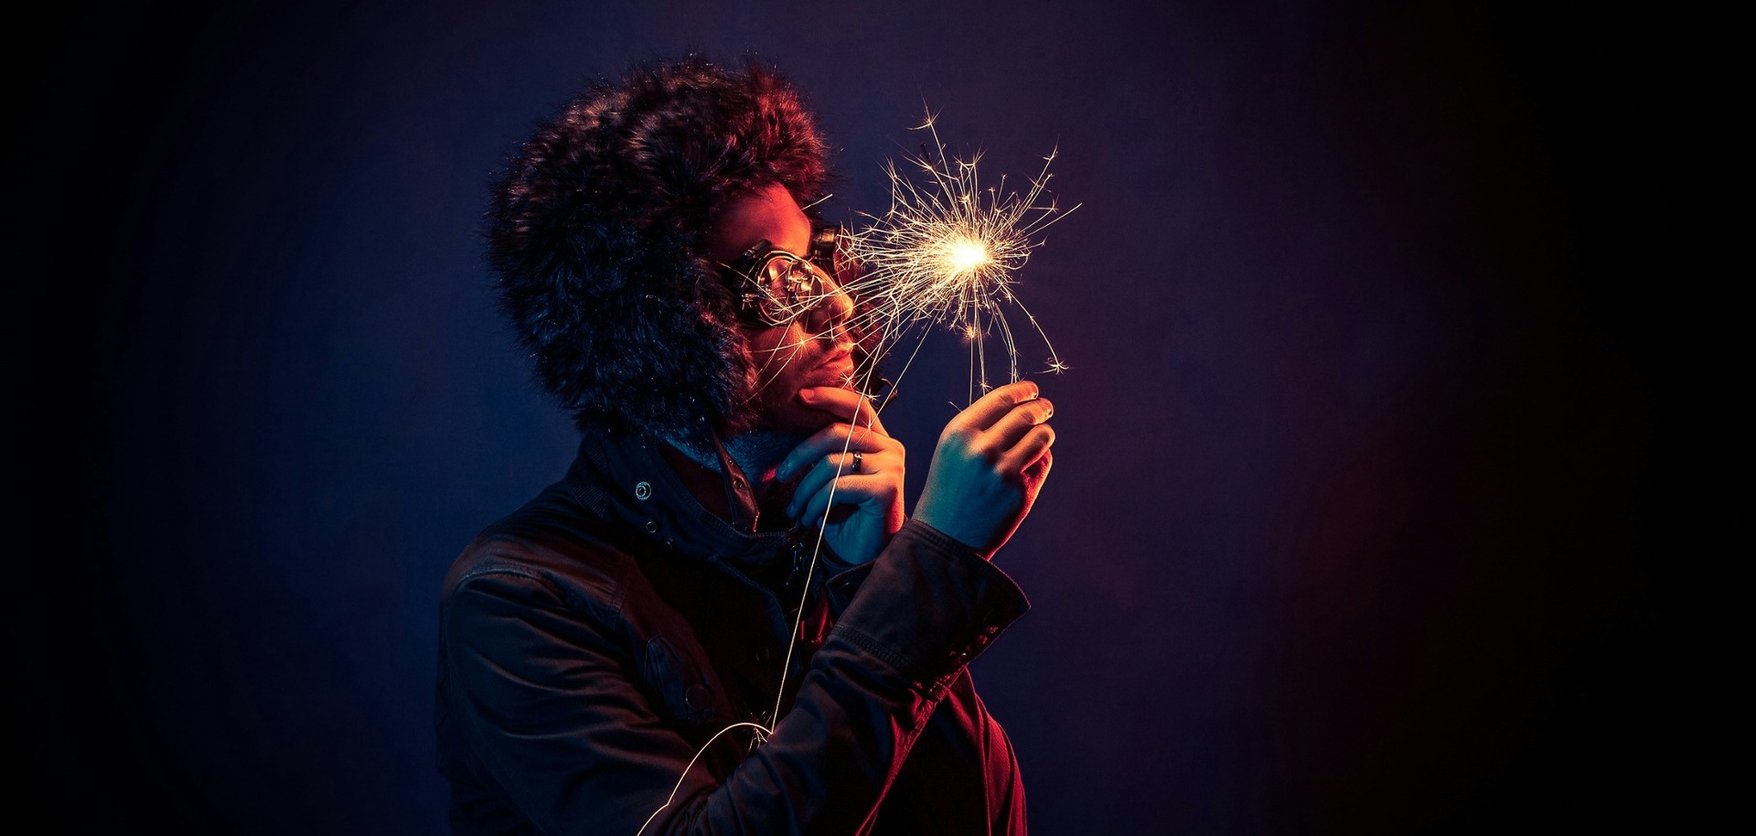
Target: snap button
{"points": [[642, 491], [696, 697], [764, 654], [651, 527]]}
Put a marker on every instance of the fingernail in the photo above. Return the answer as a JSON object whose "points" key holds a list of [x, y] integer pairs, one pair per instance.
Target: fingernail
{"points": [[807, 395]]}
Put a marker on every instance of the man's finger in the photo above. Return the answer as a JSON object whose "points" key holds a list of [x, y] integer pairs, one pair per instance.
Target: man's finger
{"points": [[846, 405], [1009, 429], [849, 490], [821, 472], [1029, 450], [836, 464], [831, 439], [1039, 470], [993, 406]]}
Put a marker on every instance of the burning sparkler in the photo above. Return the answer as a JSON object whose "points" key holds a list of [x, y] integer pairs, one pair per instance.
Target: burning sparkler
{"points": [[946, 252]]}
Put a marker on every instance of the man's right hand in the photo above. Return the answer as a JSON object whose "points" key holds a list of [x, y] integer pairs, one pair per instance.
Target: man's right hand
{"points": [[990, 463]]}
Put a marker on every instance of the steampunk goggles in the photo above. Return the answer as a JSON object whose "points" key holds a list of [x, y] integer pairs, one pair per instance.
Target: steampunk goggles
{"points": [[775, 287]]}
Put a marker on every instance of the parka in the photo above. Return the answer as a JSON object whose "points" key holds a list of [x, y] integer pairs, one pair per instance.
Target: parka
{"points": [[611, 661]]}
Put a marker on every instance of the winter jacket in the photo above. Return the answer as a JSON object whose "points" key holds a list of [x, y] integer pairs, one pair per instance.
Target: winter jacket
{"points": [[594, 642]]}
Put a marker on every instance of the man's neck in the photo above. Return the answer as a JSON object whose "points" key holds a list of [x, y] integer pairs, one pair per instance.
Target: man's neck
{"points": [[755, 454]]}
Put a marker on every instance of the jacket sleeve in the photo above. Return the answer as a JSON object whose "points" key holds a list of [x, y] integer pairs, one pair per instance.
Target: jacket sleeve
{"points": [[961, 777], [551, 706]]}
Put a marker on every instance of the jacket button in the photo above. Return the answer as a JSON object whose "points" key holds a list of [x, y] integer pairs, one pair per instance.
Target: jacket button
{"points": [[763, 654], [651, 527], [696, 697], [643, 491]]}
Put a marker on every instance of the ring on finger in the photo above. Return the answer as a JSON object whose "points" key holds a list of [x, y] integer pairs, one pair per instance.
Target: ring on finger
{"points": [[858, 457]]}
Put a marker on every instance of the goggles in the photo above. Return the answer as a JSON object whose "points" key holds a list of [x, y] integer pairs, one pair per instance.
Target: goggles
{"points": [[776, 287]]}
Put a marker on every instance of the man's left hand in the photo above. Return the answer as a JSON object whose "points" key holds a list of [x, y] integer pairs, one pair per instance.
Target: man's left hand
{"points": [[867, 508]]}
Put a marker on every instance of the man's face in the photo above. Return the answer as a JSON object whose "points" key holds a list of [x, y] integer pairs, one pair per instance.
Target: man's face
{"points": [[814, 349]]}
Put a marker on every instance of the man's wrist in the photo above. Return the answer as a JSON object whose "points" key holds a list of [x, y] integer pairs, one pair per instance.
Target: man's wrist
{"points": [[931, 602]]}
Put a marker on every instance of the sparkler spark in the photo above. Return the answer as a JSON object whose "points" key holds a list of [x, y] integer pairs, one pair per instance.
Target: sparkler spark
{"points": [[946, 253]]}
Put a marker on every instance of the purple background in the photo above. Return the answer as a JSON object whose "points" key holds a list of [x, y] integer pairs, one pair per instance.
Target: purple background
{"points": [[1353, 525]]}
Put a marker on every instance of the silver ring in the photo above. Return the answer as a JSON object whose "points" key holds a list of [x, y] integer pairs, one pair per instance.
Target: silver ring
{"points": [[858, 456]]}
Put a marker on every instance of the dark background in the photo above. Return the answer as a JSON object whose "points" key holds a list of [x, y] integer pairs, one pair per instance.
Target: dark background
{"points": [[1355, 524]]}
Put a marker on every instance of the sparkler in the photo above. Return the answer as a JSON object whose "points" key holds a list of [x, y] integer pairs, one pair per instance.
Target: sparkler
{"points": [[946, 254]]}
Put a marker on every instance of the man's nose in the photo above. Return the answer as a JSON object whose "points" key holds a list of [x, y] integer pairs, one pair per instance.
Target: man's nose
{"points": [[836, 308]]}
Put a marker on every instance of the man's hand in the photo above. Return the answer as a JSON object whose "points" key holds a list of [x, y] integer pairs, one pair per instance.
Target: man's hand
{"points": [[868, 499], [991, 462]]}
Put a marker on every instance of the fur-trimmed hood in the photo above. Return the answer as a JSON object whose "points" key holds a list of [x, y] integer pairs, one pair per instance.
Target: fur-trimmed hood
{"points": [[597, 232]]}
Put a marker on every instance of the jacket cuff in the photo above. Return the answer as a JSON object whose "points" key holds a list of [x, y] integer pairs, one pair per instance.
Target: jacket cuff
{"points": [[927, 605]]}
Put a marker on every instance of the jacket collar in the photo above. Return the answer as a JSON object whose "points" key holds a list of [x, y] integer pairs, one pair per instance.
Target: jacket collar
{"points": [[624, 476]]}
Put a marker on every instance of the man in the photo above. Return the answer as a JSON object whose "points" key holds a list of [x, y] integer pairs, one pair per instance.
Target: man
{"points": [[688, 633]]}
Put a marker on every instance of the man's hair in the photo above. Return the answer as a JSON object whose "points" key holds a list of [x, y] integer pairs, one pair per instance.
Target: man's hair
{"points": [[598, 229]]}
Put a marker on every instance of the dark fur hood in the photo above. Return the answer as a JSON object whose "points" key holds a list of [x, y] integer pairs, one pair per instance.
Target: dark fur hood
{"points": [[597, 233]]}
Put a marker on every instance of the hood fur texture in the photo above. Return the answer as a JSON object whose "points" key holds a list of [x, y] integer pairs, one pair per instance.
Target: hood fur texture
{"points": [[597, 233]]}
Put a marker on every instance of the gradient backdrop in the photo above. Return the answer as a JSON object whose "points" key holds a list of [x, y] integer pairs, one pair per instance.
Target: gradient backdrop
{"points": [[1352, 526]]}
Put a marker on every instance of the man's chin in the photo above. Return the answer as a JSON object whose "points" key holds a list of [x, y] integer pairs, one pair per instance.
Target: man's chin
{"points": [[797, 420], [789, 414], [793, 416]]}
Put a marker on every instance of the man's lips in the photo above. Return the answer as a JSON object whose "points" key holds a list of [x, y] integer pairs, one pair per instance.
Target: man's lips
{"points": [[839, 363]]}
